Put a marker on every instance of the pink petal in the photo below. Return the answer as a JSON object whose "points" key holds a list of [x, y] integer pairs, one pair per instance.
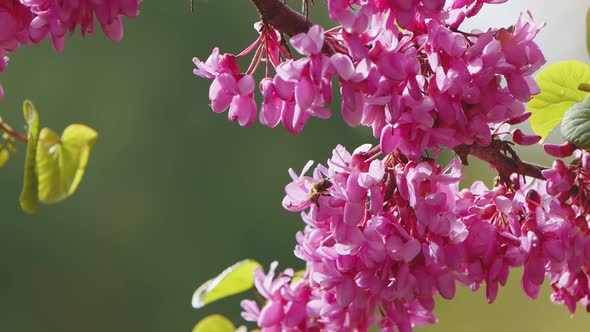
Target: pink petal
{"points": [[522, 139], [388, 140]]}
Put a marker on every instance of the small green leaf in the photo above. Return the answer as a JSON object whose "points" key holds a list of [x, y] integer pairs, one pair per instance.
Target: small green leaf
{"points": [[559, 91], [29, 196], [233, 280], [61, 162], [4, 156], [214, 323], [575, 126]]}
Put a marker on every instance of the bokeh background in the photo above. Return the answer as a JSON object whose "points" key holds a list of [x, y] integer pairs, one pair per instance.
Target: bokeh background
{"points": [[175, 193]]}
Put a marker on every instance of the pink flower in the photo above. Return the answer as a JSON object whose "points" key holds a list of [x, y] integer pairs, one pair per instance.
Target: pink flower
{"points": [[229, 88], [297, 198], [381, 252], [57, 17], [14, 30], [287, 301], [26, 22], [309, 43]]}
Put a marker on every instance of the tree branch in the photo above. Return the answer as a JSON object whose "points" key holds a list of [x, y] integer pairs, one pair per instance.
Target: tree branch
{"points": [[21, 137], [286, 20], [496, 155], [281, 17]]}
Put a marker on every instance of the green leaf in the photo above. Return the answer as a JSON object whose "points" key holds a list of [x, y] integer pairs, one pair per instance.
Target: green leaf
{"points": [[4, 156], [559, 91], [61, 161], [233, 280], [575, 126], [29, 195], [214, 323]]}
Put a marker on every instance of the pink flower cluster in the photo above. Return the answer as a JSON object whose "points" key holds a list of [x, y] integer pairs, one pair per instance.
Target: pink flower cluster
{"points": [[408, 13], [386, 228], [287, 302], [564, 232], [28, 22], [425, 87], [388, 235], [58, 17], [14, 30]]}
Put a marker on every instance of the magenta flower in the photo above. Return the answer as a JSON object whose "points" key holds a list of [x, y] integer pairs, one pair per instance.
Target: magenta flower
{"points": [[26, 22], [385, 252], [57, 17], [423, 88], [287, 302], [14, 30], [387, 228], [424, 237]]}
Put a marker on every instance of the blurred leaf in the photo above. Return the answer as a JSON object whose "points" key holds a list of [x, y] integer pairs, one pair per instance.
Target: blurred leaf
{"points": [[559, 91], [29, 195], [61, 161], [575, 126], [10, 145], [214, 323], [298, 276], [4, 156], [233, 280]]}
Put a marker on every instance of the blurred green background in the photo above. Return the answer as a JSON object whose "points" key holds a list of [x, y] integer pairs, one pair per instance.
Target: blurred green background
{"points": [[173, 192]]}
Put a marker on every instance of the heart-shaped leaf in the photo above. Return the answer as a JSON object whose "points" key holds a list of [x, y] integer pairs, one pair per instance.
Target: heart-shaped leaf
{"points": [[233, 280], [575, 126], [214, 323], [61, 161], [559, 91], [29, 196]]}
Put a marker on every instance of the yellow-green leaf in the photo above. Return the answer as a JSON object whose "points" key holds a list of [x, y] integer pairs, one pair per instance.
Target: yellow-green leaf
{"points": [[29, 196], [559, 91], [298, 276], [61, 161], [4, 156], [214, 323], [233, 280], [11, 146]]}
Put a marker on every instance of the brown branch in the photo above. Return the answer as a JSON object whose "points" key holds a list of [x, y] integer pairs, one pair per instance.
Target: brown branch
{"points": [[15, 134], [24, 137], [281, 17], [496, 155], [285, 20]]}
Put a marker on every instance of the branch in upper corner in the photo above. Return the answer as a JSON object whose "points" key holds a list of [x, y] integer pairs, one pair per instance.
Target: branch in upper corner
{"points": [[281, 17], [285, 20]]}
